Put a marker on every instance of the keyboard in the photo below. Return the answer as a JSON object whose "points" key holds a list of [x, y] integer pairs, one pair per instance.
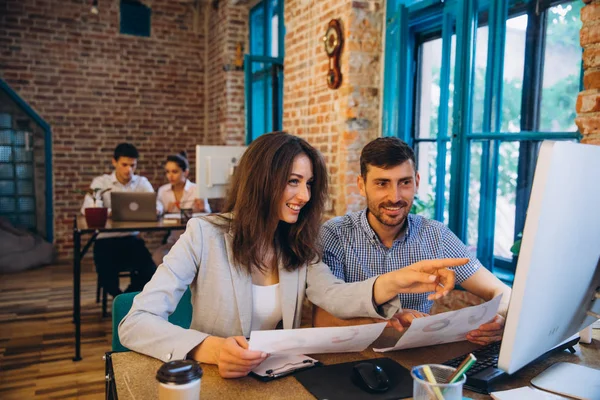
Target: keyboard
{"points": [[484, 373]]}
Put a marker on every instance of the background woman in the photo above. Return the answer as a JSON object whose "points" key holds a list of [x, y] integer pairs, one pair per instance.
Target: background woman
{"points": [[177, 194]]}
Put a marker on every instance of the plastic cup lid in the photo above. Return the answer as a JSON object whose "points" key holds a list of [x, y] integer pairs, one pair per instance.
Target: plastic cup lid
{"points": [[179, 372]]}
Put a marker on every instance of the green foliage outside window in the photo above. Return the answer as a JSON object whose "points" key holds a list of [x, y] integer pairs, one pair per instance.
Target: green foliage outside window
{"points": [[557, 113]]}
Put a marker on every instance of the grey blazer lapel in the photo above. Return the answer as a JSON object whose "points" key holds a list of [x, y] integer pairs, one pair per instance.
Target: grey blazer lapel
{"points": [[242, 289], [288, 286]]}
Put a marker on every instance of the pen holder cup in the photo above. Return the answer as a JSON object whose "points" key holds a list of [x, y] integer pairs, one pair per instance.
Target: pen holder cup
{"points": [[186, 215], [425, 389]]}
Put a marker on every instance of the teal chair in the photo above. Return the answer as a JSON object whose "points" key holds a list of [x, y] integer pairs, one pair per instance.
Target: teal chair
{"points": [[182, 316]]}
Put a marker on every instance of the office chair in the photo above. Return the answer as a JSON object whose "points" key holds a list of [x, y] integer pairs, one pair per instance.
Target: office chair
{"points": [[182, 316], [122, 274], [99, 288]]}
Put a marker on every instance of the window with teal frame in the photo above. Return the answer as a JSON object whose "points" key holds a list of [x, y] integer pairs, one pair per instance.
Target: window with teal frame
{"points": [[465, 85], [264, 69]]}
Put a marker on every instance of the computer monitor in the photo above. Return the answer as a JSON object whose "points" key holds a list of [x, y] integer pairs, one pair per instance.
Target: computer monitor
{"points": [[558, 271], [214, 168]]}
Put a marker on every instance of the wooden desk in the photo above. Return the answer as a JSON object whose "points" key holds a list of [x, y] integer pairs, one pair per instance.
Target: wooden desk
{"points": [[134, 374], [80, 228]]}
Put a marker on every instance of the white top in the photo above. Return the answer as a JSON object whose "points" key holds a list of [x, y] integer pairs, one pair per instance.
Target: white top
{"points": [[166, 196], [266, 307], [136, 184]]}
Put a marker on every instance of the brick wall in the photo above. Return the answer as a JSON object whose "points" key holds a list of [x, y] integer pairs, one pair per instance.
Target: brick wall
{"points": [[97, 88], [588, 101], [227, 26], [338, 122]]}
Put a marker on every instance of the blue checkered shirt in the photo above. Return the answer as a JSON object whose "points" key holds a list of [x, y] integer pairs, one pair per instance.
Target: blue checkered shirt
{"points": [[354, 252]]}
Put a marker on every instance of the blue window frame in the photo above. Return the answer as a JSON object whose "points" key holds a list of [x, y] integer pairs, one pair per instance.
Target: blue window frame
{"points": [[477, 161], [264, 69], [135, 18], [7, 172]]}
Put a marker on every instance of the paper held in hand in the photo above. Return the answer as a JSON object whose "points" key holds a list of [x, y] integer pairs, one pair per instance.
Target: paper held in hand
{"points": [[451, 326], [316, 340]]}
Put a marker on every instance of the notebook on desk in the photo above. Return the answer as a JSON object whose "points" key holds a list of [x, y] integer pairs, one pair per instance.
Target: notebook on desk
{"points": [[178, 215], [133, 206]]}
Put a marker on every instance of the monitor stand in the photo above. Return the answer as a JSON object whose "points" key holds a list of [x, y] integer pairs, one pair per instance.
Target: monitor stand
{"points": [[572, 380]]}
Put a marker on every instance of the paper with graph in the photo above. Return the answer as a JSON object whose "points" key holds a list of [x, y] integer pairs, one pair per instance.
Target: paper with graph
{"points": [[316, 340], [451, 326]]}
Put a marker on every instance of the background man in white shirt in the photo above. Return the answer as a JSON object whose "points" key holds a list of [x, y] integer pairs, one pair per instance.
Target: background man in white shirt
{"points": [[114, 252]]}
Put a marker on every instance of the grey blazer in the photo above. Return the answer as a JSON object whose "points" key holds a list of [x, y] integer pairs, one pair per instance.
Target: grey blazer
{"points": [[202, 259]]}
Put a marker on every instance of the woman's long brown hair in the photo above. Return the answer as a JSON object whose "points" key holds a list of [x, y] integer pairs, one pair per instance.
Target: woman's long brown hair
{"points": [[255, 196]]}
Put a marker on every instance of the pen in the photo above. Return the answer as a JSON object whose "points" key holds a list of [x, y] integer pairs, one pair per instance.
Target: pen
{"points": [[430, 393], [464, 366], [431, 379], [418, 374]]}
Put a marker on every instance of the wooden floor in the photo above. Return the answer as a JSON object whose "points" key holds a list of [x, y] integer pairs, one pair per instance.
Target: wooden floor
{"points": [[37, 336]]}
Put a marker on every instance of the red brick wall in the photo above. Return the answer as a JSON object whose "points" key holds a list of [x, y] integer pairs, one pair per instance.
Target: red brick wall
{"points": [[227, 27], [338, 122], [97, 88], [588, 102]]}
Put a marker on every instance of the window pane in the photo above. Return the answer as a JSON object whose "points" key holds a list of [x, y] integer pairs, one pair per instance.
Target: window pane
{"points": [[26, 204], [257, 46], [7, 188], [481, 53], [258, 106], [431, 64], [429, 87], [6, 171], [514, 65], [269, 103], [6, 154], [274, 51], [562, 70], [25, 187], [451, 89], [5, 134], [505, 199], [426, 165], [447, 183], [24, 171], [474, 196], [7, 204], [22, 155]]}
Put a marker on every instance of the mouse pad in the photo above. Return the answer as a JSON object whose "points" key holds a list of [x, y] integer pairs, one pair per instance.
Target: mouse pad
{"points": [[335, 381]]}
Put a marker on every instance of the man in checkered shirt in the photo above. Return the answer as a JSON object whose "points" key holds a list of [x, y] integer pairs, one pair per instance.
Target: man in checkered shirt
{"points": [[385, 237]]}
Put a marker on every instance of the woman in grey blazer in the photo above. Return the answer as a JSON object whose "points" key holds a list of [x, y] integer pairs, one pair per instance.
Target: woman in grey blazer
{"points": [[266, 237]]}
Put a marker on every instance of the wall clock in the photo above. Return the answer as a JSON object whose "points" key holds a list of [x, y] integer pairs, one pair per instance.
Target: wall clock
{"points": [[333, 41]]}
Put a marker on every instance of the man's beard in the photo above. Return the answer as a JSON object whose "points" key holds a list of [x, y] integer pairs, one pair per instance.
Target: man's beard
{"points": [[389, 220]]}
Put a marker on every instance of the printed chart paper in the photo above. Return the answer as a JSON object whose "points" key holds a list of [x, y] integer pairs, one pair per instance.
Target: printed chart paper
{"points": [[341, 339], [451, 326]]}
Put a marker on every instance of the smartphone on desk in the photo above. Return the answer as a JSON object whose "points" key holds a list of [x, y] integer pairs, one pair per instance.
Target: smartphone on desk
{"points": [[278, 366]]}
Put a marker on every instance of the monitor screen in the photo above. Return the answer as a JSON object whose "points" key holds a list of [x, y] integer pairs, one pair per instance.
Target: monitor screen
{"points": [[214, 168], [558, 269]]}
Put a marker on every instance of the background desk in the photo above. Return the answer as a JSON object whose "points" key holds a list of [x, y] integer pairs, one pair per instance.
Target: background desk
{"points": [[134, 374], [80, 228]]}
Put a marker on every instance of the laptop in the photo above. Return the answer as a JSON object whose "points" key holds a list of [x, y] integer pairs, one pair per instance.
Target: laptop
{"points": [[133, 206]]}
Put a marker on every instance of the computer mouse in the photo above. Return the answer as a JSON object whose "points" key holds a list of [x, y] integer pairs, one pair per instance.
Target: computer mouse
{"points": [[370, 377]]}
